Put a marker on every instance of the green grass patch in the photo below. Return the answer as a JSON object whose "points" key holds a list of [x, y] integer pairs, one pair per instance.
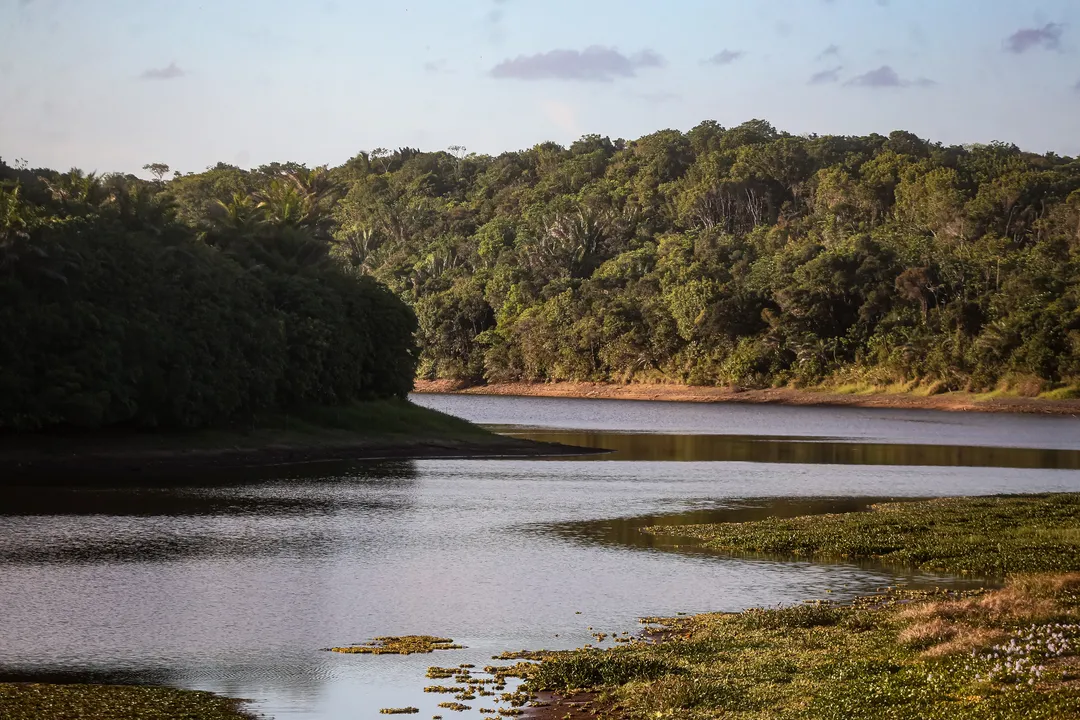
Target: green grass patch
{"points": [[399, 645], [987, 536], [1012, 652], [37, 701], [1069, 392], [899, 655], [375, 418]]}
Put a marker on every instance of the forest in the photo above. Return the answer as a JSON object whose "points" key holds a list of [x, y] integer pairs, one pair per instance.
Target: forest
{"points": [[738, 256], [116, 314]]}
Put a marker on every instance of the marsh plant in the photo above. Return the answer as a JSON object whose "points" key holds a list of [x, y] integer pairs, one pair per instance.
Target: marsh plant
{"points": [[400, 645], [1029, 654]]}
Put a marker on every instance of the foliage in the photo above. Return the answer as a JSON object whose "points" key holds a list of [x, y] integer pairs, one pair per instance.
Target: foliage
{"points": [[737, 255], [975, 654], [592, 668], [114, 312], [991, 536]]}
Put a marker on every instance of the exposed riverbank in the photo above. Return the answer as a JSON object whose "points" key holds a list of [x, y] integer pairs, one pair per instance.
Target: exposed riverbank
{"points": [[953, 401], [1009, 652], [363, 431]]}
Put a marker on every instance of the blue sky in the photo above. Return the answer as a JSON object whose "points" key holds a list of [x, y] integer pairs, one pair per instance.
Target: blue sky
{"points": [[113, 84]]}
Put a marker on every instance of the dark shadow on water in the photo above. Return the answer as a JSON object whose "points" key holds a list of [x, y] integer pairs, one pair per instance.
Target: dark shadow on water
{"points": [[827, 451], [232, 492], [200, 517]]}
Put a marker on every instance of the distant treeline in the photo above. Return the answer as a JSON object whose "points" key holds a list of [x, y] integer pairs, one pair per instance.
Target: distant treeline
{"points": [[717, 256], [114, 313]]}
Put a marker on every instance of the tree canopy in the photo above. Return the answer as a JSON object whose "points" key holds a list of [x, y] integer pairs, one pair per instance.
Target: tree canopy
{"points": [[116, 312], [740, 255]]}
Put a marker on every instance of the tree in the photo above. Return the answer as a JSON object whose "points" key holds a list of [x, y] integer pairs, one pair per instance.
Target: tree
{"points": [[158, 170]]}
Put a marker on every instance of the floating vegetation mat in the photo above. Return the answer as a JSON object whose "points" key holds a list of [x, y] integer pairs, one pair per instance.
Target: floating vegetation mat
{"points": [[983, 536], [400, 645], [42, 701]]}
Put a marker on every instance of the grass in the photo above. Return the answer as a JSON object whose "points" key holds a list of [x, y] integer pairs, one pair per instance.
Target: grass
{"points": [[33, 701], [988, 537], [377, 428], [399, 645], [374, 418], [1011, 652], [899, 655], [1069, 392]]}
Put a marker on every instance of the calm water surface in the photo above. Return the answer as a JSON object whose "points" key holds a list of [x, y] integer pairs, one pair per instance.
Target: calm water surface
{"points": [[233, 584]]}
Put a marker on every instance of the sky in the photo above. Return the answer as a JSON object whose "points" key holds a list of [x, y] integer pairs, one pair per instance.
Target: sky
{"points": [[111, 85]]}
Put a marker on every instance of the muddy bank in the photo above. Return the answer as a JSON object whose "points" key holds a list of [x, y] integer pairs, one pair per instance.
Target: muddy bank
{"points": [[955, 402]]}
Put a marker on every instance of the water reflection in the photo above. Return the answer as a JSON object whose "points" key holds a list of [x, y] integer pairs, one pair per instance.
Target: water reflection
{"points": [[818, 451]]}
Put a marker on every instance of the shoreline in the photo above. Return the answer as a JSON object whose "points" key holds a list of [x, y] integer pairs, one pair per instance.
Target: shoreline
{"points": [[362, 432], [947, 402], [1011, 650], [36, 463]]}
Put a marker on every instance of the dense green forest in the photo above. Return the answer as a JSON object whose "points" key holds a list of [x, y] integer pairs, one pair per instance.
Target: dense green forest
{"points": [[739, 255], [114, 312]]}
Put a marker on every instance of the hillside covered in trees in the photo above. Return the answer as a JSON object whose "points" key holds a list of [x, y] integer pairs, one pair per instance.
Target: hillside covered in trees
{"points": [[115, 313], [741, 256]]}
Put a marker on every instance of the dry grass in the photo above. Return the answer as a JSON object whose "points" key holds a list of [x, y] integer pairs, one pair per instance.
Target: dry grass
{"points": [[941, 638], [954, 627]]}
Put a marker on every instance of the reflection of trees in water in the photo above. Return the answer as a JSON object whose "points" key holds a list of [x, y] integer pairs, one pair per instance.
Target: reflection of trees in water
{"points": [[648, 446], [249, 514], [275, 490]]}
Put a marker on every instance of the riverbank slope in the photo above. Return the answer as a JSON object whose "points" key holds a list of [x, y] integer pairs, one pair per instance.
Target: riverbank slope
{"points": [[362, 431], [953, 401]]}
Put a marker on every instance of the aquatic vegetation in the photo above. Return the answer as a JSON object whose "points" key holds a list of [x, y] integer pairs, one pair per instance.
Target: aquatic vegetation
{"points": [[1029, 654], [455, 706], [522, 655], [448, 689], [399, 711], [981, 536], [824, 660], [400, 645], [985, 653], [588, 668], [40, 701]]}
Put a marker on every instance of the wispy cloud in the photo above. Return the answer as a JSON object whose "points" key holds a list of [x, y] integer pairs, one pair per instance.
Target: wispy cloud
{"points": [[725, 57], [1047, 37], [593, 64], [171, 72], [435, 66], [829, 52], [826, 77], [886, 77]]}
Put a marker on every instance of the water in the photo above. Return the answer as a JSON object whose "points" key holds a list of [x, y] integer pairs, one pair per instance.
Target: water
{"points": [[233, 584]]}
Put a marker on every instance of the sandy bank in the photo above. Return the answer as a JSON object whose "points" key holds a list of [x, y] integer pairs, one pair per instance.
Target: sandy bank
{"points": [[955, 402]]}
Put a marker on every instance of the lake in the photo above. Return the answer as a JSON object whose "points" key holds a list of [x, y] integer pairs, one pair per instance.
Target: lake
{"points": [[234, 583]]}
